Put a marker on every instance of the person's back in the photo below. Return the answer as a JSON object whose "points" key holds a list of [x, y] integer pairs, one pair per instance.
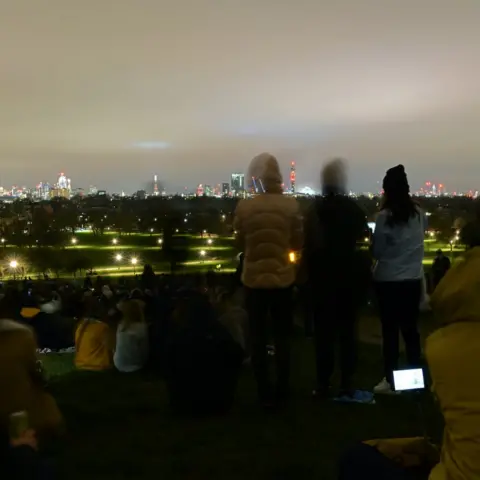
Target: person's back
{"points": [[21, 384], [268, 227], [454, 357], [399, 248], [93, 344], [202, 360], [132, 342], [331, 245]]}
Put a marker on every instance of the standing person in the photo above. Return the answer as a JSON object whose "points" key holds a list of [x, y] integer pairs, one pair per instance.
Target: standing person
{"points": [[398, 247], [269, 228], [337, 275]]}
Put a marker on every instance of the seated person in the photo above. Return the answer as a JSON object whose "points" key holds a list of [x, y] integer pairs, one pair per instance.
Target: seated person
{"points": [[131, 350], [202, 362], [453, 357], [233, 317], [22, 387], [94, 338]]}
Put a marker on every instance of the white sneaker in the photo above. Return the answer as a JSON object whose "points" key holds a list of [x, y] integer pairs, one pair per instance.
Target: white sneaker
{"points": [[383, 388]]}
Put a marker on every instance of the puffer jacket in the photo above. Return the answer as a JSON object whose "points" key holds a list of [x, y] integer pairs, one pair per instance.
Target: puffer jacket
{"points": [[269, 227], [454, 360]]}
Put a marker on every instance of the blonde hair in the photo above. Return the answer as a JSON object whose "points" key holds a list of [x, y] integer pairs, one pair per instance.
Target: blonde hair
{"points": [[132, 312]]}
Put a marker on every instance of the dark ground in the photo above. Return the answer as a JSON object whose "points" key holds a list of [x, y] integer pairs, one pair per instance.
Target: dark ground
{"points": [[120, 426]]}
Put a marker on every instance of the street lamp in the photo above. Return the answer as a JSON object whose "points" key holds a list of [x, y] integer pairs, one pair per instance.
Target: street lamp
{"points": [[74, 241], [202, 254], [14, 265], [134, 263], [209, 241], [160, 241], [114, 241], [118, 258]]}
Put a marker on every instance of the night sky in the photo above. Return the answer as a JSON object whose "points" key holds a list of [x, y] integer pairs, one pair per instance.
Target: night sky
{"points": [[113, 91]]}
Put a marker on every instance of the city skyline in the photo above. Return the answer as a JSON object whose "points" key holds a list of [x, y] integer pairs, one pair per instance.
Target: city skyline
{"points": [[114, 95]]}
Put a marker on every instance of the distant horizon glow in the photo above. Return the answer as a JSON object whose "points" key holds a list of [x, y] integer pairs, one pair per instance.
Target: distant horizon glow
{"points": [[152, 145]]}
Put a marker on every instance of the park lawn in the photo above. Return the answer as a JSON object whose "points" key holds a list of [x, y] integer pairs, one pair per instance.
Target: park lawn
{"points": [[120, 426]]}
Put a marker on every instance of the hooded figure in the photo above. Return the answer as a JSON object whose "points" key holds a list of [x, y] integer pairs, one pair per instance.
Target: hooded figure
{"points": [[453, 359], [269, 229]]}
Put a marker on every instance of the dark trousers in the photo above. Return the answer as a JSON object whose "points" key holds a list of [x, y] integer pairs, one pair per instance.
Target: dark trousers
{"points": [[399, 305], [260, 303], [335, 324], [366, 462]]}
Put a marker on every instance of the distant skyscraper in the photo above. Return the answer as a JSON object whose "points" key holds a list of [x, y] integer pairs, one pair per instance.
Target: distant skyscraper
{"points": [[200, 191], [237, 183], [208, 191], [155, 185], [293, 177], [225, 189]]}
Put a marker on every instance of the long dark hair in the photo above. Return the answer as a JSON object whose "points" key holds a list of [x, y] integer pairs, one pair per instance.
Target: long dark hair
{"points": [[402, 209], [397, 199]]}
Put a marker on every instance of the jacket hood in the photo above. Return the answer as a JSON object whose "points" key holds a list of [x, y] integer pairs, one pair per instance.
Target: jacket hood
{"points": [[456, 298], [264, 174]]}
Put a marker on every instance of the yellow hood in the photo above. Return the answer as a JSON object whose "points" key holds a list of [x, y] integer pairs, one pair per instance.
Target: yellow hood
{"points": [[264, 169], [457, 298]]}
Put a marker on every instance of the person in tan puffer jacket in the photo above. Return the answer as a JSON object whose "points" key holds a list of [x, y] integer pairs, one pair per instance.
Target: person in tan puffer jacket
{"points": [[269, 229]]}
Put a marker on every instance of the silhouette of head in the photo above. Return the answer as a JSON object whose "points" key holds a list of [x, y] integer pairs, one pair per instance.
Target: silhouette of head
{"points": [[334, 177]]}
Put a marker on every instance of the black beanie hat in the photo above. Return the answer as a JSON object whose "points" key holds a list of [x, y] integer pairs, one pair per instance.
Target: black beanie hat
{"points": [[396, 181]]}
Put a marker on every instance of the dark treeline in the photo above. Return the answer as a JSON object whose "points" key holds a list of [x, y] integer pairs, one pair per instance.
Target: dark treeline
{"points": [[53, 223]]}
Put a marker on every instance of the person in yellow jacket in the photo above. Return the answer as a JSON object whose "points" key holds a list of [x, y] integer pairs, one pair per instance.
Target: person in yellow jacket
{"points": [[22, 387], [453, 357], [94, 339]]}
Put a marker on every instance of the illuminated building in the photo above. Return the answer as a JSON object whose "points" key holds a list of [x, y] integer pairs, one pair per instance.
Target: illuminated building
{"points": [[293, 177], [200, 191], [155, 185], [225, 189], [208, 191], [60, 192], [237, 183]]}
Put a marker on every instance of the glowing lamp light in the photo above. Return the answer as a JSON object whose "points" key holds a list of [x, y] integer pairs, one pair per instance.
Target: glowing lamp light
{"points": [[118, 257], [160, 241], [74, 241], [203, 253], [134, 261], [151, 230], [432, 234], [209, 241], [367, 239], [114, 241], [292, 257], [13, 264], [3, 240]]}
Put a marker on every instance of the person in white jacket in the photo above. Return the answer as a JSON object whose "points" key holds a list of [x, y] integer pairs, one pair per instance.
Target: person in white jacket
{"points": [[398, 248], [132, 346]]}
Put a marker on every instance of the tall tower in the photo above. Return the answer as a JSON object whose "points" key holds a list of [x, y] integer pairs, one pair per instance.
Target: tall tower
{"points": [[155, 185], [293, 177]]}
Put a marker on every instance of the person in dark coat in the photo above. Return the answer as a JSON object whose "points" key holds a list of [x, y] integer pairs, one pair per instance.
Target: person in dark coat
{"points": [[337, 275]]}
